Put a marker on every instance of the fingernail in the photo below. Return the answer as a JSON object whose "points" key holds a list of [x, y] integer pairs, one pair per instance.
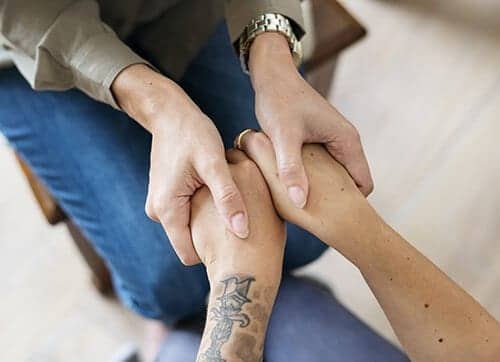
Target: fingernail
{"points": [[297, 196], [239, 225]]}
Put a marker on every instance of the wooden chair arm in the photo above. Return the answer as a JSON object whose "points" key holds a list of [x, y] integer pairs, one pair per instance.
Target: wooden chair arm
{"points": [[47, 203], [334, 30]]}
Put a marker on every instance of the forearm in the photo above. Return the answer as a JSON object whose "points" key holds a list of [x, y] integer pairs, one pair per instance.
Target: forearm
{"points": [[244, 274], [433, 317], [150, 98], [269, 50], [232, 333], [244, 280]]}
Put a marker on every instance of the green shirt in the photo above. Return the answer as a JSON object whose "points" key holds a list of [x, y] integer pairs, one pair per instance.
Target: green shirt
{"points": [[62, 44]]}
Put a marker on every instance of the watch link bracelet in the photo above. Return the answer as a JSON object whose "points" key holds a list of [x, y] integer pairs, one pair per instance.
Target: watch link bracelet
{"points": [[268, 23]]}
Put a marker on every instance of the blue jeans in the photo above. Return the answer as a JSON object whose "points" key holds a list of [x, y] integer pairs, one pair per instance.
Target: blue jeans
{"points": [[307, 325], [95, 162]]}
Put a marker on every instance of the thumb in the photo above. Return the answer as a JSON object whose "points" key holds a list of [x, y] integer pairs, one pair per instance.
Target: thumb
{"points": [[227, 198], [291, 169]]}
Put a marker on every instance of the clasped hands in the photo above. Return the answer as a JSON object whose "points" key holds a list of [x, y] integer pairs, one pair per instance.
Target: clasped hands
{"points": [[187, 151], [336, 212], [223, 209]]}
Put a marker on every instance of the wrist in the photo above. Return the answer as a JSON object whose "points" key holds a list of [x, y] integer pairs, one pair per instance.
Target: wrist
{"points": [[147, 96], [358, 237], [269, 53], [234, 263]]}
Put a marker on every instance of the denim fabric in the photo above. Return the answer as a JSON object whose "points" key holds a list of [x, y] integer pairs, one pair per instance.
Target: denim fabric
{"points": [[307, 325], [95, 161]]}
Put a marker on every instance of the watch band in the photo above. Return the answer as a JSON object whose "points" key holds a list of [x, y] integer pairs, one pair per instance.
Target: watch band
{"points": [[268, 23]]}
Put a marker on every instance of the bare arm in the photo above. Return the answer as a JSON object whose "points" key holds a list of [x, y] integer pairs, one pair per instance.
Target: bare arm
{"points": [[433, 317], [244, 275]]}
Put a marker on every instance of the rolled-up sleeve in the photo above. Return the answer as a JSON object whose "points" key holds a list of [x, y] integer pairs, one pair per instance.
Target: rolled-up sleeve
{"points": [[240, 12], [62, 44]]}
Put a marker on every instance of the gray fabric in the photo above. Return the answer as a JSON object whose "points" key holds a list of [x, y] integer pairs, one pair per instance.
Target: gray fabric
{"points": [[152, 8]]}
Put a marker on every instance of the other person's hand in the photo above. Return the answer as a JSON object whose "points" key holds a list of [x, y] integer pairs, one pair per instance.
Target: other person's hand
{"points": [[433, 317], [292, 113], [187, 152], [244, 275], [336, 211], [214, 245]]}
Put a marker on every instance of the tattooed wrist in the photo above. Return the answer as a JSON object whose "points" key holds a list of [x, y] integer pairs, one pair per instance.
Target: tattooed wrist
{"points": [[238, 313]]}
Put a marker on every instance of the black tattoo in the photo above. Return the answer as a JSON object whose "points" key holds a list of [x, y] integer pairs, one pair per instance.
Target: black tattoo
{"points": [[227, 313]]}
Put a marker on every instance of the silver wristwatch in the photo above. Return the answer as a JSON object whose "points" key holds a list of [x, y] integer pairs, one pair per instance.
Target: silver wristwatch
{"points": [[269, 23]]}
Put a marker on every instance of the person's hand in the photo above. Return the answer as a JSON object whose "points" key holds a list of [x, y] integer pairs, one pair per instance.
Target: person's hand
{"points": [[336, 211], [292, 113], [244, 275], [187, 152], [220, 250]]}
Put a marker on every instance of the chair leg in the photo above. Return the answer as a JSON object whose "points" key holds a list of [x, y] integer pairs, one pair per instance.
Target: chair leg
{"points": [[101, 277]]}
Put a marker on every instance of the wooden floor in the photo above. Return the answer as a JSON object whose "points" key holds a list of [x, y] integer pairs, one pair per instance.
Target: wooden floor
{"points": [[424, 90]]}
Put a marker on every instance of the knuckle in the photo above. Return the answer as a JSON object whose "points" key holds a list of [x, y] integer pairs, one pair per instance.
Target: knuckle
{"points": [[228, 195], [290, 168], [349, 145], [159, 206], [170, 217], [165, 204], [148, 209], [259, 139], [167, 211], [370, 188], [187, 259]]}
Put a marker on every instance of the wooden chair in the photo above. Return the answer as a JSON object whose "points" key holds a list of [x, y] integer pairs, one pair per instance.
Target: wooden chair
{"points": [[100, 276], [331, 29]]}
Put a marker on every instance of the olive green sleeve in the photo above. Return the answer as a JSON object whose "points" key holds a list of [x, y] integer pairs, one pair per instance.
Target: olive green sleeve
{"points": [[63, 44]]}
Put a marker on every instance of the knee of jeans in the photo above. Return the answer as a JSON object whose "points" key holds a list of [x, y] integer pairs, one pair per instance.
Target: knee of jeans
{"points": [[301, 248], [169, 294]]}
